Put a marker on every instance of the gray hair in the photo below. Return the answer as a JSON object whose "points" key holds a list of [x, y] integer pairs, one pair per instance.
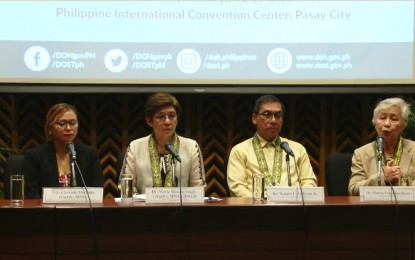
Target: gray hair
{"points": [[393, 102]]}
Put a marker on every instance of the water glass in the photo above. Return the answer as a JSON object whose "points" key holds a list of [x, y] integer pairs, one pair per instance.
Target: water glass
{"points": [[405, 180], [17, 188], [258, 187], [126, 187]]}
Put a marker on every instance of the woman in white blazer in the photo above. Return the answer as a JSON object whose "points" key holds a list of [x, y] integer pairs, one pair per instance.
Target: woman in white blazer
{"points": [[390, 117], [150, 160]]}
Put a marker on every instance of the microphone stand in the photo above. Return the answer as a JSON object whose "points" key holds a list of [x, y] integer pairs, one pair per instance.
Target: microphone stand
{"points": [[173, 173], [379, 142], [177, 181], [287, 160], [73, 179], [379, 169]]}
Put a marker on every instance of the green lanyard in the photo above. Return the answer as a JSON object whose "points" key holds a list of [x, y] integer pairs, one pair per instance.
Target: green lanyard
{"points": [[155, 162], [397, 154], [270, 180]]}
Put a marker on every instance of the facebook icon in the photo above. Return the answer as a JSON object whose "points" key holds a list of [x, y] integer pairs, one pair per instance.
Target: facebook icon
{"points": [[37, 58]]}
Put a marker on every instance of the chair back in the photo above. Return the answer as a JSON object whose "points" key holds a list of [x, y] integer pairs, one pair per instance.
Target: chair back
{"points": [[13, 165], [338, 173]]}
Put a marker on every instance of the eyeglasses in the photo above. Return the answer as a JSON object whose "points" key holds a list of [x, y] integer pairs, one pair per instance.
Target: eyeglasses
{"points": [[65, 123], [163, 117], [267, 115]]}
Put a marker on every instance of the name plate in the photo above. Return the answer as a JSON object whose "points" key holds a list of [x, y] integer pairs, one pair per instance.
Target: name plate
{"points": [[172, 195], [385, 193], [73, 195], [293, 194]]}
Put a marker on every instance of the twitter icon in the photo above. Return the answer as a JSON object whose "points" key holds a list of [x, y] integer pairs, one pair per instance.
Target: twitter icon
{"points": [[116, 60]]}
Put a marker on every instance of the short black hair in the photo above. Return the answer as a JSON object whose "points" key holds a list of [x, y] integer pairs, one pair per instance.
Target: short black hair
{"points": [[267, 99]]}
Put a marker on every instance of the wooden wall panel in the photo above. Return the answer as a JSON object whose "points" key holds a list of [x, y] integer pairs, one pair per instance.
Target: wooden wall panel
{"points": [[322, 123]]}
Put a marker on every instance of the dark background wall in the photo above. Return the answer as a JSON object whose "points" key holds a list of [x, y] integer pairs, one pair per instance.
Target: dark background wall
{"points": [[323, 123]]}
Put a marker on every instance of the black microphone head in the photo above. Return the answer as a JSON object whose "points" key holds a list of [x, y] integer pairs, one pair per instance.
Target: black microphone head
{"points": [[170, 149], [284, 145], [379, 141], [71, 149]]}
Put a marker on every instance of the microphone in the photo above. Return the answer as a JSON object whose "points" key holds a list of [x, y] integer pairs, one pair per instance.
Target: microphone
{"points": [[170, 149], [379, 142], [284, 145], [72, 153], [71, 149]]}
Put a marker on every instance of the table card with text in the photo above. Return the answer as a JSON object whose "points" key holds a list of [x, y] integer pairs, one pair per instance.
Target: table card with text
{"points": [[385, 193], [172, 195], [73, 195], [293, 194]]}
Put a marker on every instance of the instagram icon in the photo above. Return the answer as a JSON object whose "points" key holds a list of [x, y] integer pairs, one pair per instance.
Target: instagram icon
{"points": [[188, 61]]}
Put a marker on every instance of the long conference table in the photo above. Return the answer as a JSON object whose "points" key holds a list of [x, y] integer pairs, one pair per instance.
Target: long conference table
{"points": [[235, 228]]}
